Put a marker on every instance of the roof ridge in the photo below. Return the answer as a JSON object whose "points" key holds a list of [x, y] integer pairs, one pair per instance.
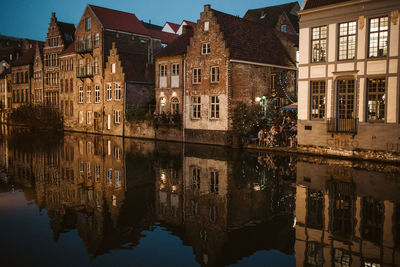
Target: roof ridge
{"points": [[112, 9]]}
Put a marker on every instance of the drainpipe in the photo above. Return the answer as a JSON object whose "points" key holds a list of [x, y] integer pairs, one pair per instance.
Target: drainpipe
{"points": [[124, 110], [184, 101]]}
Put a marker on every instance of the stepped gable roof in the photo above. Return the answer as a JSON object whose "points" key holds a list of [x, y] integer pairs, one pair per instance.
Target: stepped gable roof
{"points": [[318, 3], [178, 46], [70, 50], [119, 20], [251, 41], [148, 25], [174, 26], [165, 37], [270, 15]]}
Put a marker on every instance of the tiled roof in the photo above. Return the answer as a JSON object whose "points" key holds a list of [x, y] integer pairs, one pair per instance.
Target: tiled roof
{"points": [[319, 3], [269, 15], [152, 26], [251, 41], [67, 31], [119, 20], [27, 57], [174, 26], [165, 37], [178, 46], [190, 23], [70, 50]]}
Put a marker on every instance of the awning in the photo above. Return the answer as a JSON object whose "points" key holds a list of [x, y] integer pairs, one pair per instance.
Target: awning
{"points": [[292, 107]]}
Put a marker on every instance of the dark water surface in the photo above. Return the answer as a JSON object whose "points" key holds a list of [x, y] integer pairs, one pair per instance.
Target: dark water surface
{"points": [[82, 200]]}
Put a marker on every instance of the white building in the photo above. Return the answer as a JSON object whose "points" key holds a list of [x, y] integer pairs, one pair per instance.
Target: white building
{"points": [[349, 75]]}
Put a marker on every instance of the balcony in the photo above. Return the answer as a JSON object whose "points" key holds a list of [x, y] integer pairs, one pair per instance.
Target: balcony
{"points": [[83, 47], [336, 125], [85, 71]]}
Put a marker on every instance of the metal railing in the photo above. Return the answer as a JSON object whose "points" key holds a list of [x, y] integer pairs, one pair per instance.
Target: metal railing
{"points": [[337, 125], [85, 71], [84, 46]]}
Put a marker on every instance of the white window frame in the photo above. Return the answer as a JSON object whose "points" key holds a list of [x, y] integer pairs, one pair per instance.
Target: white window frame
{"points": [[117, 91], [89, 118], [175, 69], [205, 48], [88, 94], [80, 94], [163, 70], [117, 117], [214, 74], [113, 68], [109, 92], [214, 107], [96, 94], [196, 107], [196, 76]]}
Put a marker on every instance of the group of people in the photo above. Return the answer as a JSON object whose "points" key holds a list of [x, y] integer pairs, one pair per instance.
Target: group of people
{"points": [[283, 134]]}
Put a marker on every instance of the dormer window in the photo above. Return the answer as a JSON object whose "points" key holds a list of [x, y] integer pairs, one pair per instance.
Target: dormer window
{"points": [[283, 28], [88, 23], [206, 26]]}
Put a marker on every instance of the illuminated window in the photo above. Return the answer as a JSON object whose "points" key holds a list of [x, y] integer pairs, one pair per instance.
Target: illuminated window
{"points": [[319, 44], [376, 99], [318, 99], [378, 37], [347, 40]]}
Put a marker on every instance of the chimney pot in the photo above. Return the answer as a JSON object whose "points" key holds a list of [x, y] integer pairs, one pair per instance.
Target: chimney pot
{"points": [[207, 7]]}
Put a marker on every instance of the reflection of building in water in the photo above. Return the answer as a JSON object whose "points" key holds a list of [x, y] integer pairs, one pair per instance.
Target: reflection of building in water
{"points": [[346, 216], [81, 183], [201, 199]]}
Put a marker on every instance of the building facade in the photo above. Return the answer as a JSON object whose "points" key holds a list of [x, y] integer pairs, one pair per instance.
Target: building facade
{"points": [[102, 87], [59, 36], [349, 76], [229, 60]]}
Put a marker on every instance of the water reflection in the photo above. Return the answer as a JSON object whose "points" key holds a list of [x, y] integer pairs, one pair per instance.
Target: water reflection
{"points": [[226, 205]]}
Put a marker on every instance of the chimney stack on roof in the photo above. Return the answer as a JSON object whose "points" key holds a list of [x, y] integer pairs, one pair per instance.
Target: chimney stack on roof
{"points": [[207, 7], [53, 16]]}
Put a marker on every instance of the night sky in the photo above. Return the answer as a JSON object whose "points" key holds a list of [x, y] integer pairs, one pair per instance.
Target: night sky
{"points": [[30, 18]]}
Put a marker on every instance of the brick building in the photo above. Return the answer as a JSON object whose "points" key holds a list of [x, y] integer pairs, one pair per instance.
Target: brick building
{"points": [[281, 17], [67, 89], [229, 60], [349, 76], [169, 91], [22, 73], [59, 36], [37, 80], [105, 34]]}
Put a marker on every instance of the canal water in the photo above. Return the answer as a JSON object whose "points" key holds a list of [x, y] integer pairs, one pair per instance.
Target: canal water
{"points": [[83, 200]]}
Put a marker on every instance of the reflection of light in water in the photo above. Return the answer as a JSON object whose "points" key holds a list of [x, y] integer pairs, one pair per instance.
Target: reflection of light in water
{"points": [[162, 186], [173, 188], [294, 222]]}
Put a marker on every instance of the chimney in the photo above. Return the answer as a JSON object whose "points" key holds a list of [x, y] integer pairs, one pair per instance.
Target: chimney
{"points": [[149, 21], [207, 7], [187, 29], [53, 16]]}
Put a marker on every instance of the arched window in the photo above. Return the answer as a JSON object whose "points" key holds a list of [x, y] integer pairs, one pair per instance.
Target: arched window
{"points": [[174, 106], [163, 102]]}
